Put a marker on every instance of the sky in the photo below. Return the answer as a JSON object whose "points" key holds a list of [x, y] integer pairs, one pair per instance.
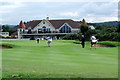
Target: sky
{"points": [[13, 11]]}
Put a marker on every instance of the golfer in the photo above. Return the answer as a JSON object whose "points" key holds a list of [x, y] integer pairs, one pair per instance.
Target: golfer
{"points": [[38, 39], [83, 41], [93, 41], [49, 41]]}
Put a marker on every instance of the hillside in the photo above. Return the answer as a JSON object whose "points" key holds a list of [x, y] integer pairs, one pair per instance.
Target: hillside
{"points": [[10, 25], [110, 23]]}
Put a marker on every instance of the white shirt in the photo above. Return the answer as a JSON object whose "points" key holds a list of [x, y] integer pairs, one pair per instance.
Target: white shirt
{"points": [[38, 38], [42, 38], [93, 38], [49, 39]]}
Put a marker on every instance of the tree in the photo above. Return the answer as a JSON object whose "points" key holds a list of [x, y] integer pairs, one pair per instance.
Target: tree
{"points": [[118, 28], [8, 29], [89, 33], [84, 28], [5, 28]]}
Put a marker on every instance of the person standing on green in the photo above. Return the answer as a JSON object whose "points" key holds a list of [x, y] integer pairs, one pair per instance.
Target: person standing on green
{"points": [[49, 41], [83, 41], [38, 39]]}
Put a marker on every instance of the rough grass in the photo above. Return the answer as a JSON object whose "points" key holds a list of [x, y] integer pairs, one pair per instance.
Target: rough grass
{"points": [[63, 59], [112, 43]]}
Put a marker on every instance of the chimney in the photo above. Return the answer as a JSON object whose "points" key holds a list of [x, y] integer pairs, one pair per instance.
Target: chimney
{"points": [[47, 18]]}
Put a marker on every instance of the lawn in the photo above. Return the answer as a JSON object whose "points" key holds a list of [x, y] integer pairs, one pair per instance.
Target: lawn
{"points": [[63, 59]]}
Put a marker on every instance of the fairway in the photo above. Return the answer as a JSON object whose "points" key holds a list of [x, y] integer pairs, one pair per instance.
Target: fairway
{"points": [[63, 59]]}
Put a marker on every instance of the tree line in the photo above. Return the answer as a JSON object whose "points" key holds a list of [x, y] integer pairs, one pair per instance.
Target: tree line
{"points": [[8, 29], [102, 32]]}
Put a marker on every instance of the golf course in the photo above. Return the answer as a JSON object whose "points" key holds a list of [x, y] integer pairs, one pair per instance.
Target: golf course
{"points": [[64, 59]]}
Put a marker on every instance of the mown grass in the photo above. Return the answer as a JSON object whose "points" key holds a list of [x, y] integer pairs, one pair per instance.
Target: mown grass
{"points": [[63, 59]]}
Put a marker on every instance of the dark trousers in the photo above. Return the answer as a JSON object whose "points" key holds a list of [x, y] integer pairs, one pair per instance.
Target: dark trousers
{"points": [[83, 44], [49, 43], [37, 41]]}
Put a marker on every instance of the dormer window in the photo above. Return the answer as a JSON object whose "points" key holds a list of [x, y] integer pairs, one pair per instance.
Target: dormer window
{"points": [[43, 22]]}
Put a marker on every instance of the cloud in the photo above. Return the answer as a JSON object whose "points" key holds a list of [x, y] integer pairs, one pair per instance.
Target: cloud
{"points": [[7, 7], [98, 11], [13, 12], [69, 14], [60, 0], [101, 19], [7, 11], [99, 8]]}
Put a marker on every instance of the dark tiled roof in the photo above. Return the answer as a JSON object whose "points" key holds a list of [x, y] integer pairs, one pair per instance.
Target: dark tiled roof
{"points": [[32, 24], [56, 23]]}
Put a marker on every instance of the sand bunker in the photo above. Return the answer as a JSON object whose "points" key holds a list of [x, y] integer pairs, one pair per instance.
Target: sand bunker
{"points": [[101, 45], [97, 45], [5, 47]]}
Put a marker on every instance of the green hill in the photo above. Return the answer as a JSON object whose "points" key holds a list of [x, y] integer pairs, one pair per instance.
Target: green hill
{"points": [[110, 23]]}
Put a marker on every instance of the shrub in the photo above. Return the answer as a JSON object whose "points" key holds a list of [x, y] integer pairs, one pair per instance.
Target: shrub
{"points": [[71, 36], [13, 36], [32, 38]]}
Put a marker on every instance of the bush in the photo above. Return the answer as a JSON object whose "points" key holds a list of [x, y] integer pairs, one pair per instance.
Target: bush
{"points": [[32, 38], [13, 36], [107, 36], [71, 36]]}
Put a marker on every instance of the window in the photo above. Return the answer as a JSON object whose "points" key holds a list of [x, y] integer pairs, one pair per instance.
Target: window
{"points": [[43, 22], [40, 30], [44, 29], [3, 33], [29, 31], [48, 29], [65, 29]]}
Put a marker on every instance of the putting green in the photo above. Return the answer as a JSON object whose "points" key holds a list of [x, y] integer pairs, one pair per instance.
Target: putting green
{"points": [[63, 59]]}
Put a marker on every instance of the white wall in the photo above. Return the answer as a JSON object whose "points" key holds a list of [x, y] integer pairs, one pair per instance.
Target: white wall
{"points": [[75, 30], [47, 25]]}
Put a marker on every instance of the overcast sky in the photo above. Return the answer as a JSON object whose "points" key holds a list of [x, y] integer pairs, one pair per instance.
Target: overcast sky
{"points": [[13, 11]]}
